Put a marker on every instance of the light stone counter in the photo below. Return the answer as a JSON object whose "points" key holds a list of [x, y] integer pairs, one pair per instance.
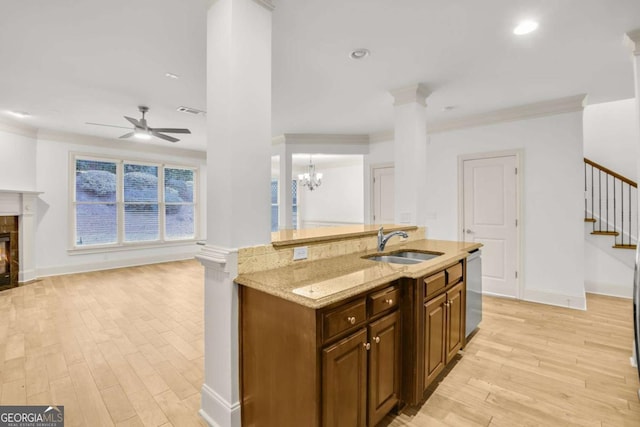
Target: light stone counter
{"points": [[316, 284]]}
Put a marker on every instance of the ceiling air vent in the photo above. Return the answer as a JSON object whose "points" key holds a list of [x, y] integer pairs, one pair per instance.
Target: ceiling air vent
{"points": [[190, 110]]}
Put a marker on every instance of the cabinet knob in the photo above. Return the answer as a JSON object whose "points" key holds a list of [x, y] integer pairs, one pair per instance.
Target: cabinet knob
{"points": [[367, 346], [389, 301], [351, 320], [376, 339]]}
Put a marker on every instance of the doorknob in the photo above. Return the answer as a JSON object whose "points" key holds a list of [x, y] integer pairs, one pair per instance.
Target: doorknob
{"points": [[469, 231]]}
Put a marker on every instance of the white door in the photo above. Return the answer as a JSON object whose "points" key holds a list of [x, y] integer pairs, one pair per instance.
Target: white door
{"points": [[383, 201], [489, 217]]}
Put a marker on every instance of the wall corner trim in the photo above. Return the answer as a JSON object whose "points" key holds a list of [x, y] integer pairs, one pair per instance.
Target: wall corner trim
{"points": [[417, 93], [632, 40]]}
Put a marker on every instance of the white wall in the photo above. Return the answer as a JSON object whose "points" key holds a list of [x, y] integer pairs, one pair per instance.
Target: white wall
{"points": [[53, 228], [17, 159], [552, 240], [339, 200], [611, 136], [552, 206]]}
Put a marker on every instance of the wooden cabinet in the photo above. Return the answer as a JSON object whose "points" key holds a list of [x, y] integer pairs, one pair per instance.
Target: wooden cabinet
{"points": [[435, 332], [361, 375], [344, 382], [337, 366], [443, 320], [433, 327]]}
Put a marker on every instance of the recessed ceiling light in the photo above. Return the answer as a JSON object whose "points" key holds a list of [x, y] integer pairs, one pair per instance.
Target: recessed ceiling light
{"points": [[359, 53], [448, 108], [525, 27], [19, 114], [172, 76]]}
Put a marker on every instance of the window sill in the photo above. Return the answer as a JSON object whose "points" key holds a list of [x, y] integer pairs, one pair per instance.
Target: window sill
{"points": [[96, 249]]}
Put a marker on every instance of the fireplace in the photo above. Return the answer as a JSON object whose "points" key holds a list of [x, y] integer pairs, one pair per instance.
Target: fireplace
{"points": [[9, 252], [17, 237], [5, 259]]}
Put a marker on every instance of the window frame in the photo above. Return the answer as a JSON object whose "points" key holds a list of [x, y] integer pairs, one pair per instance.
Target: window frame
{"points": [[121, 243]]}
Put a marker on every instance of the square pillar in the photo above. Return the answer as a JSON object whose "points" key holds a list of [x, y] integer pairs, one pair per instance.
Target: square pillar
{"points": [[238, 179]]}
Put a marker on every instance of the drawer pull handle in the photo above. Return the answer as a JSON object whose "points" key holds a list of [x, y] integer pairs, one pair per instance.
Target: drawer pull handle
{"points": [[351, 320], [376, 339], [367, 346], [389, 301]]}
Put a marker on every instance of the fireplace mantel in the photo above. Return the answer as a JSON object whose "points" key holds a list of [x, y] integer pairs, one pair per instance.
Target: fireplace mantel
{"points": [[23, 204]]}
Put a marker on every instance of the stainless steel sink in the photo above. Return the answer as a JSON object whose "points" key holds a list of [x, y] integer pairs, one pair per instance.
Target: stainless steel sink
{"points": [[404, 257]]}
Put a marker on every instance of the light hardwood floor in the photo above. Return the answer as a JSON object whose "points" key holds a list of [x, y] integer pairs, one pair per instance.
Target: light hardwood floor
{"points": [[125, 347]]}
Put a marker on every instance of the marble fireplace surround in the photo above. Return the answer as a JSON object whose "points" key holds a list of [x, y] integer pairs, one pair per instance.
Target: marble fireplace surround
{"points": [[23, 205]]}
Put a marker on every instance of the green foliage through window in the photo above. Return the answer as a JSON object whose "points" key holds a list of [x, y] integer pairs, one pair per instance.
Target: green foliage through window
{"points": [[122, 202]]}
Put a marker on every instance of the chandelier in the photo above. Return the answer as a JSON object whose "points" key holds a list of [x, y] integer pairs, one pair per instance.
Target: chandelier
{"points": [[311, 179]]}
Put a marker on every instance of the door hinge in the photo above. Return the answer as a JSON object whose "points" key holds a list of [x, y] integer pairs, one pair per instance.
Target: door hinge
{"points": [[516, 171], [374, 179], [516, 222], [516, 274]]}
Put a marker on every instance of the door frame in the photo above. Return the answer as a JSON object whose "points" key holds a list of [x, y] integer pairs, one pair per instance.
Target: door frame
{"points": [[519, 154], [372, 200]]}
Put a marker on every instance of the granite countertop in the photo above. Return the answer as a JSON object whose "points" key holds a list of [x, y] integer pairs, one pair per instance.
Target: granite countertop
{"points": [[316, 284]]}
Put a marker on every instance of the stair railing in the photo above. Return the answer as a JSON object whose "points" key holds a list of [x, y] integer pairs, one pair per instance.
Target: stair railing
{"points": [[611, 204]]}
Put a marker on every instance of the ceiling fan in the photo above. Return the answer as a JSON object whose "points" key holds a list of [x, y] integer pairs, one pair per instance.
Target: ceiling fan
{"points": [[142, 130]]}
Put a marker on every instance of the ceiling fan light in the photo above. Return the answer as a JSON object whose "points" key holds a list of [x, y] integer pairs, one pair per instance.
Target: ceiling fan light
{"points": [[142, 135]]}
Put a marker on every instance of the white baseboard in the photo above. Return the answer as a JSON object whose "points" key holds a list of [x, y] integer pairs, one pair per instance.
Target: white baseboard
{"points": [[111, 264], [216, 411], [609, 289], [544, 297]]}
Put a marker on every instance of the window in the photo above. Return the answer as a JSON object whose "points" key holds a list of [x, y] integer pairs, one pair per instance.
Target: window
{"points": [[275, 206], [118, 202]]}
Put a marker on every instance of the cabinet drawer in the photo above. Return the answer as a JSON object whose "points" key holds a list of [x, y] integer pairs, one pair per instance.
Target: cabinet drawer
{"points": [[384, 300], [434, 284], [343, 318], [454, 274]]}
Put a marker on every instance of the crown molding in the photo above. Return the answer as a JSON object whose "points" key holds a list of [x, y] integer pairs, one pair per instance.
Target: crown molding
{"points": [[267, 4], [632, 40], [417, 93], [521, 112], [74, 138], [321, 138], [18, 129], [323, 143], [383, 136]]}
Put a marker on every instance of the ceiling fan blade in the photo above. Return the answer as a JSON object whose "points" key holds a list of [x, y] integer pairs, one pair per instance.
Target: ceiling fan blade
{"points": [[111, 126], [165, 137], [127, 135], [171, 130], [134, 122]]}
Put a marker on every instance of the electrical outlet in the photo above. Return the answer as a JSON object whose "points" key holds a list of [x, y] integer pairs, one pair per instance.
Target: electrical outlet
{"points": [[300, 253]]}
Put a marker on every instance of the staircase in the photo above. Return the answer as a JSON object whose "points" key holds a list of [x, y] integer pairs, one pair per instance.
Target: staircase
{"points": [[611, 205]]}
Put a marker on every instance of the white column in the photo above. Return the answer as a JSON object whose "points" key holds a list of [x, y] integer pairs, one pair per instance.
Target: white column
{"points": [[27, 233], [285, 199], [410, 154], [633, 39], [238, 177]]}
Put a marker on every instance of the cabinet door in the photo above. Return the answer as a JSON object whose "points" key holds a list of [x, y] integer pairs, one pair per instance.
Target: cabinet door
{"points": [[435, 318], [455, 321], [344, 382], [384, 366]]}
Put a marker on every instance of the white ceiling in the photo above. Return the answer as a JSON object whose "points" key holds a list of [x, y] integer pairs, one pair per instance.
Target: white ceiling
{"points": [[68, 62]]}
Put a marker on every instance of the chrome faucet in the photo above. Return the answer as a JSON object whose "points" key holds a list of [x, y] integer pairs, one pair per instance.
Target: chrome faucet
{"points": [[383, 239]]}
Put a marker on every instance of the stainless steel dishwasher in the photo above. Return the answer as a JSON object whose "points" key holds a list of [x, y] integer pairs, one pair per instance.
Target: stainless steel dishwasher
{"points": [[474, 291]]}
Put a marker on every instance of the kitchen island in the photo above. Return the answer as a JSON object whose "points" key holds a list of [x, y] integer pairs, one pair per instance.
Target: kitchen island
{"points": [[342, 340]]}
